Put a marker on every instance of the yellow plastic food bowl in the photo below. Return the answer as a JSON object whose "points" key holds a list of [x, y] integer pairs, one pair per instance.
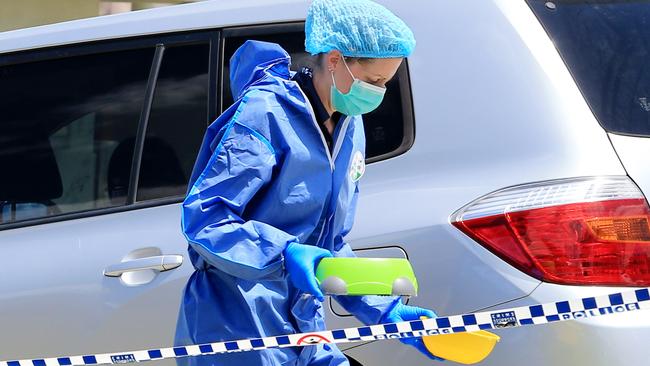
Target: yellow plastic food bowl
{"points": [[466, 348]]}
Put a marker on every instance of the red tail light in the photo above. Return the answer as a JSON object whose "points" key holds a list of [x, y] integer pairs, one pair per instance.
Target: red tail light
{"points": [[591, 231]]}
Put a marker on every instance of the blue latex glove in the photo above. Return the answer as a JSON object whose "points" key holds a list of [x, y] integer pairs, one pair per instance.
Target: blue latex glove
{"points": [[400, 313], [301, 260]]}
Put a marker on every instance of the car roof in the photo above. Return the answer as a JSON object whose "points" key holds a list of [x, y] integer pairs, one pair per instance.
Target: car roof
{"points": [[184, 17]]}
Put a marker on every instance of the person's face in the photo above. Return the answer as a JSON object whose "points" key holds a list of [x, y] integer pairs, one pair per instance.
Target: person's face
{"points": [[377, 71]]}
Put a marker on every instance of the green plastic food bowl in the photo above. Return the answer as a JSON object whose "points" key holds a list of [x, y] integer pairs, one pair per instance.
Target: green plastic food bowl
{"points": [[366, 276]]}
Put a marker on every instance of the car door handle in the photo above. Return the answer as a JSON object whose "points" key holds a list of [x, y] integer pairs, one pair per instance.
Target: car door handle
{"points": [[159, 263]]}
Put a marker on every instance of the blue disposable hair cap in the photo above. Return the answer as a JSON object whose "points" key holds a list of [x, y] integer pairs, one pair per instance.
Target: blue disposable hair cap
{"points": [[357, 28]]}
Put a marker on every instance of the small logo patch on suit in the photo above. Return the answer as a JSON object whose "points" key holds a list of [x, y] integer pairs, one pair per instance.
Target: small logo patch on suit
{"points": [[357, 167]]}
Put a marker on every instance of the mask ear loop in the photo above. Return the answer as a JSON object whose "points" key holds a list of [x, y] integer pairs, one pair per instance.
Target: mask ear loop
{"points": [[350, 72]]}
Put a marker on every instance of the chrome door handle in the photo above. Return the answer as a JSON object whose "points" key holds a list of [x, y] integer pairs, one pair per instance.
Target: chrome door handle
{"points": [[159, 263]]}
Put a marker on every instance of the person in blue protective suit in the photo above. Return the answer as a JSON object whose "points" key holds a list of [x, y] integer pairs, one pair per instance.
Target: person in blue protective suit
{"points": [[275, 185]]}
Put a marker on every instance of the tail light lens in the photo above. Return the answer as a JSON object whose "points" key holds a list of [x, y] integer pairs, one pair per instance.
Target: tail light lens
{"points": [[588, 231]]}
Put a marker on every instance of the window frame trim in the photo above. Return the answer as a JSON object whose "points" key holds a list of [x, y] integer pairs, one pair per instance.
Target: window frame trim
{"points": [[91, 213], [143, 123], [408, 116]]}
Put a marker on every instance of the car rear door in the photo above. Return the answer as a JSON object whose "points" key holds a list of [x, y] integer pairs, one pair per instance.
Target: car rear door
{"points": [[97, 145]]}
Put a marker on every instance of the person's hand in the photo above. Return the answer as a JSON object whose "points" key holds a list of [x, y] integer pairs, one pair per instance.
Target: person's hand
{"points": [[400, 313], [301, 261]]}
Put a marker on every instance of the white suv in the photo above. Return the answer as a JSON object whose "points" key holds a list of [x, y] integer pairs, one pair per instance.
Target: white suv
{"points": [[508, 162]]}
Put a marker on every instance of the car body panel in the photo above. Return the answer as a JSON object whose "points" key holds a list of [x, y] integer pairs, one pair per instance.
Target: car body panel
{"points": [[60, 300], [633, 152]]}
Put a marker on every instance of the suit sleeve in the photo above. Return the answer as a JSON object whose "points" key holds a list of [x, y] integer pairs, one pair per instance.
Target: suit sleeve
{"points": [[212, 212]]}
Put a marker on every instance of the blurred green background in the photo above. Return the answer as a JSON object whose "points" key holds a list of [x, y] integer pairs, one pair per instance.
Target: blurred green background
{"points": [[28, 13]]}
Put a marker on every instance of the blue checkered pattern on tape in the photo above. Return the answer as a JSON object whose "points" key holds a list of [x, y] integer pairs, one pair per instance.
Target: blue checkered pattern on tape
{"points": [[526, 315]]}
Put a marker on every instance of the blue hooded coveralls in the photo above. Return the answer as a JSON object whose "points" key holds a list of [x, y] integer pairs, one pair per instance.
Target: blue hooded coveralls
{"points": [[264, 177]]}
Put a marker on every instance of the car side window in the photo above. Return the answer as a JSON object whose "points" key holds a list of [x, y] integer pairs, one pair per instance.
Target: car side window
{"points": [[61, 125], [177, 122], [389, 129]]}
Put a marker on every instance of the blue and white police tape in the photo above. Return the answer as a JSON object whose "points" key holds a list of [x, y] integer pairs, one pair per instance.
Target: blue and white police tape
{"points": [[515, 317]]}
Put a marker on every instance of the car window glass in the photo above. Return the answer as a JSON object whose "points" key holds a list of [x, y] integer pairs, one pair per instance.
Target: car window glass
{"points": [[605, 45], [61, 124], [177, 122], [387, 129]]}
